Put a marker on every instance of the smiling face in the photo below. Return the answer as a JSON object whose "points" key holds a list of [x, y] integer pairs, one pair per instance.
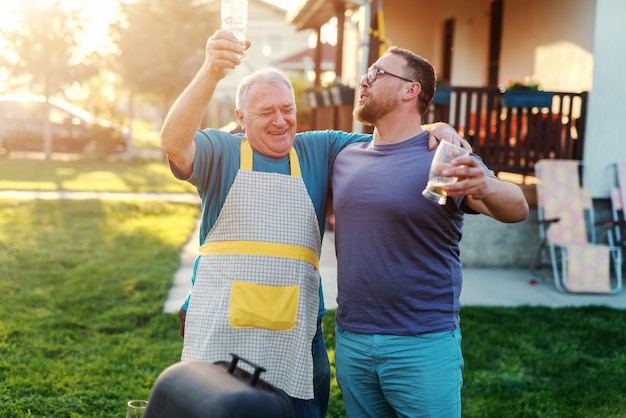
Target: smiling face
{"points": [[268, 116]]}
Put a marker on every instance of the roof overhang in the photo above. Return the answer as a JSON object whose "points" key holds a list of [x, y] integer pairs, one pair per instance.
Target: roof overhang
{"points": [[312, 14]]}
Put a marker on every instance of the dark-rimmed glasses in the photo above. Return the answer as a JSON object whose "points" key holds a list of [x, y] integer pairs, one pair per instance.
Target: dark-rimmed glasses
{"points": [[372, 75]]}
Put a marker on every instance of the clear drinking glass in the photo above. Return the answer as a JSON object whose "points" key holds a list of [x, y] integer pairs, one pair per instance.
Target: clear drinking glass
{"points": [[446, 152], [135, 408], [235, 17]]}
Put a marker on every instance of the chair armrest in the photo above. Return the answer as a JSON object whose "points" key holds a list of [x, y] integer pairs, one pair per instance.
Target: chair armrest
{"points": [[610, 223], [548, 221]]}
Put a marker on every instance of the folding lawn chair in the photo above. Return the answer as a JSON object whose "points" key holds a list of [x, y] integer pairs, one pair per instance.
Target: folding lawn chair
{"points": [[618, 198], [567, 231]]}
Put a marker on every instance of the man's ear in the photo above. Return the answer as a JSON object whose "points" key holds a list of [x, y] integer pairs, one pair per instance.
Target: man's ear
{"points": [[240, 119], [413, 90]]}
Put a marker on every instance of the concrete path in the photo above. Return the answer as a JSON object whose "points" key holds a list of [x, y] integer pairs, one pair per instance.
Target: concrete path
{"points": [[77, 195], [481, 287], [182, 279]]}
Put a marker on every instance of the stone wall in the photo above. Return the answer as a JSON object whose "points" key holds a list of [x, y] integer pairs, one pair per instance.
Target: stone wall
{"points": [[489, 243]]}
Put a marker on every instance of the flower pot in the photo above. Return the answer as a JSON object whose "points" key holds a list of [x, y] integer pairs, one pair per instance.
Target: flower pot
{"points": [[326, 100], [442, 95], [311, 99], [527, 98], [342, 95]]}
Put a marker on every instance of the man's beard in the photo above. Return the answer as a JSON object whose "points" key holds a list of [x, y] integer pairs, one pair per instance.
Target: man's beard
{"points": [[373, 109]]}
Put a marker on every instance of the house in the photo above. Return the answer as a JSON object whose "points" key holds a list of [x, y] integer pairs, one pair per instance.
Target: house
{"points": [[565, 45], [302, 63]]}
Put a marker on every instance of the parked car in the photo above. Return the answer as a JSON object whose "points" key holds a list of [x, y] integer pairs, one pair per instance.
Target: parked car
{"points": [[73, 130]]}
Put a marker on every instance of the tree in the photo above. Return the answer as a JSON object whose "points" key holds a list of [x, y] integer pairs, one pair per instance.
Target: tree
{"points": [[42, 50], [161, 43]]}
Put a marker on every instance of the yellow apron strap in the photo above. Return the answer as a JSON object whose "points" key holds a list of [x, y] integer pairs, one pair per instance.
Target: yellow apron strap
{"points": [[294, 163], [269, 249], [246, 159], [246, 156]]}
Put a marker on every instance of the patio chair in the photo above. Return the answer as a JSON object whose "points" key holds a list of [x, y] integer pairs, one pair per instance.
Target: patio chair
{"points": [[618, 198], [567, 231]]}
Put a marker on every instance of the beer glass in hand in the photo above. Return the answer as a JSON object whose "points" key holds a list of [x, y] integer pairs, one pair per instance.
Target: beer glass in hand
{"points": [[445, 153]]}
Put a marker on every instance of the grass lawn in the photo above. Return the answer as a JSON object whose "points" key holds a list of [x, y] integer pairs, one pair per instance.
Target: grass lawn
{"points": [[119, 176], [81, 299], [83, 283]]}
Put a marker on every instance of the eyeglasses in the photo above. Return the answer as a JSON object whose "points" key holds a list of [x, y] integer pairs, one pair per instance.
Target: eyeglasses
{"points": [[372, 75]]}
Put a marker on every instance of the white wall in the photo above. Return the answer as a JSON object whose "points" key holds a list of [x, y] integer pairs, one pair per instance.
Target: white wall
{"points": [[605, 134], [549, 41], [470, 55]]}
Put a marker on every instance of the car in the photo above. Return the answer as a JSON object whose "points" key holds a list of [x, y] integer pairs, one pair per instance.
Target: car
{"points": [[72, 129]]}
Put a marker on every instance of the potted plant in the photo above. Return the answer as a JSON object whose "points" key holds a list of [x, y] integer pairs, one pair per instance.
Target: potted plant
{"points": [[310, 98], [326, 98], [443, 92], [526, 94], [341, 94], [314, 97]]}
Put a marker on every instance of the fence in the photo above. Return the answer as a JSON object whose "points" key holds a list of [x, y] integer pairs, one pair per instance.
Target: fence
{"points": [[513, 130], [510, 130]]}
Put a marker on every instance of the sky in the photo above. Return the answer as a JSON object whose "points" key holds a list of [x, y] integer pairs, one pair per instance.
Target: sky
{"points": [[101, 13]]}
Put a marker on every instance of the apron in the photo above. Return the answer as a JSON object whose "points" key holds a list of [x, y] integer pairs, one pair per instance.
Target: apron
{"points": [[256, 292]]}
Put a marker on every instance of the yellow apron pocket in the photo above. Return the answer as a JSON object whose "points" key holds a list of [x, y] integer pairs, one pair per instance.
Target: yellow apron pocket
{"points": [[259, 306]]}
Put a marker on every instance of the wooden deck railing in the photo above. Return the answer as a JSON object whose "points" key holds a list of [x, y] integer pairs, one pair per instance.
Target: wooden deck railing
{"points": [[511, 137], [508, 138]]}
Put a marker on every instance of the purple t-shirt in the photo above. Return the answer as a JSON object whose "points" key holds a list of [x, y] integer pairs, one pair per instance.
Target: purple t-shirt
{"points": [[399, 267]]}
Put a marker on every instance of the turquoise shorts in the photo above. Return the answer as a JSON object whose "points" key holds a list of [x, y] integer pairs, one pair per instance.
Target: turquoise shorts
{"points": [[400, 376]]}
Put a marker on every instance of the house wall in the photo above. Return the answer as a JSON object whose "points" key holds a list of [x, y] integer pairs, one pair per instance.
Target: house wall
{"points": [[565, 45], [471, 41], [549, 41], [413, 27], [606, 141], [417, 25]]}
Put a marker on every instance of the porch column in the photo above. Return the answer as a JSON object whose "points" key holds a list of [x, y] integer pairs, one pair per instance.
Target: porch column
{"points": [[605, 136]]}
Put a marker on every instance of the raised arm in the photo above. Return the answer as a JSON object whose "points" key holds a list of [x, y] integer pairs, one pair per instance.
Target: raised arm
{"points": [[487, 195], [183, 120]]}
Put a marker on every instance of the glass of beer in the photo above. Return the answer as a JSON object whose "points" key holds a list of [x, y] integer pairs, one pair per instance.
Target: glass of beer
{"points": [[136, 408], [445, 153]]}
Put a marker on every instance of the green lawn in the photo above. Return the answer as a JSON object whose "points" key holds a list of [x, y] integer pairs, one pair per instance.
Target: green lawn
{"points": [[82, 288], [81, 299], [120, 176]]}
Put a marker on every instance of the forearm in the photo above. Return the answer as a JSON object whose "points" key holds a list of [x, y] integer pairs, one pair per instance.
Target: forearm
{"points": [[184, 118], [504, 202]]}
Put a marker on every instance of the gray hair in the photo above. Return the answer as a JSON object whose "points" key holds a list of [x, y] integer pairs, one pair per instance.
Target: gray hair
{"points": [[267, 75]]}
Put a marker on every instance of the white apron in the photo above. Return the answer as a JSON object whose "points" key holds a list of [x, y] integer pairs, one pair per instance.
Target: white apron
{"points": [[256, 292]]}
